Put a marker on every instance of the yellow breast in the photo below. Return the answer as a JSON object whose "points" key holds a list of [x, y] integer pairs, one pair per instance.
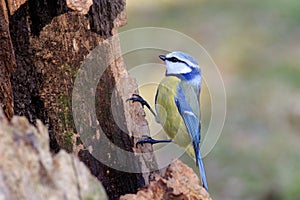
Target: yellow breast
{"points": [[168, 113]]}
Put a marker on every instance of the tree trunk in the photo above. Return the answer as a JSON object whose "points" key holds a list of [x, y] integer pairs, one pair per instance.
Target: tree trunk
{"points": [[50, 40]]}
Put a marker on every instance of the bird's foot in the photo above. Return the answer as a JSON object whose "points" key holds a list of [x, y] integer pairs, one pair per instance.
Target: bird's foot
{"points": [[143, 102], [150, 140], [138, 98]]}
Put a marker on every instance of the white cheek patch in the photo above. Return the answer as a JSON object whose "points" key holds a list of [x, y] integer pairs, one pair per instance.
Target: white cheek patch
{"points": [[177, 68]]}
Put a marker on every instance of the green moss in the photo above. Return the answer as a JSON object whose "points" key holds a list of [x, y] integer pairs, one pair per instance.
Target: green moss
{"points": [[68, 141], [65, 117]]}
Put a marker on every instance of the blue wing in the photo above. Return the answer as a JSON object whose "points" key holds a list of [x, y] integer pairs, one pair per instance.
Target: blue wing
{"points": [[193, 126]]}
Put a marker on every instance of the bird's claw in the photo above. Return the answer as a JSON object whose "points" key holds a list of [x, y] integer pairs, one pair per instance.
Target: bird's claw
{"points": [[147, 139], [150, 140], [137, 98]]}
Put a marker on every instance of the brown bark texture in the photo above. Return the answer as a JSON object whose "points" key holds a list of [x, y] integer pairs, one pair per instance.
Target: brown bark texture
{"points": [[7, 62], [49, 41], [28, 170], [179, 182]]}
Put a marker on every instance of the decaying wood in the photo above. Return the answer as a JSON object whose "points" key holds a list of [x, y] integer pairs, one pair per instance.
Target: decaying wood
{"points": [[7, 62], [14, 5], [180, 182], [50, 42], [81, 6], [28, 170]]}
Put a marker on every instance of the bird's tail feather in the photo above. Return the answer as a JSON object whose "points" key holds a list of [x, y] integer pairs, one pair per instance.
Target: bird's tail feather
{"points": [[202, 170]]}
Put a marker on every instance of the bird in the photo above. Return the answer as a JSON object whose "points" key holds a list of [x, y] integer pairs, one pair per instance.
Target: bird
{"points": [[177, 105]]}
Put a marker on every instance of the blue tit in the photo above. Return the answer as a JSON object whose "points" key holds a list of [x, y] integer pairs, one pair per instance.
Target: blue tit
{"points": [[177, 105]]}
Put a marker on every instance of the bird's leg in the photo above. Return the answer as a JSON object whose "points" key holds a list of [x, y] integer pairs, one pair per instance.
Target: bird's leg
{"points": [[143, 102], [150, 140]]}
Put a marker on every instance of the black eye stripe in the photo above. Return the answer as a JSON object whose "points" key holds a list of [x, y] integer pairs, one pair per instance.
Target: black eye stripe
{"points": [[174, 59]]}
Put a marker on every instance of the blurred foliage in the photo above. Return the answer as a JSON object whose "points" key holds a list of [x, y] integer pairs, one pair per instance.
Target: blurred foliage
{"points": [[256, 46]]}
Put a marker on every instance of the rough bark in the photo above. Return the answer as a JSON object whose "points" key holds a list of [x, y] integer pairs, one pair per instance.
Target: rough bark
{"points": [[7, 62], [29, 171], [50, 42], [180, 182]]}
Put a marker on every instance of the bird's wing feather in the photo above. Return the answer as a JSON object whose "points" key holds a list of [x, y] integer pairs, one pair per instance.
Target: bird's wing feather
{"points": [[193, 126], [191, 121]]}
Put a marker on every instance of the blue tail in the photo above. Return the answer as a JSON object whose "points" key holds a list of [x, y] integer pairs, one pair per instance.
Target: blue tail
{"points": [[202, 170]]}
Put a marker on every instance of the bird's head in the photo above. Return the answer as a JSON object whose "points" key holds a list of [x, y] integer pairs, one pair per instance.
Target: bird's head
{"points": [[181, 64]]}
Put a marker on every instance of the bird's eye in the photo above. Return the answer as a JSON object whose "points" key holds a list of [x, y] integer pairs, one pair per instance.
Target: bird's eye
{"points": [[173, 59]]}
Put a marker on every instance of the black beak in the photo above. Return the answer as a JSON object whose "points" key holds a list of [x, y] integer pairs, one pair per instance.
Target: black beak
{"points": [[163, 57]]}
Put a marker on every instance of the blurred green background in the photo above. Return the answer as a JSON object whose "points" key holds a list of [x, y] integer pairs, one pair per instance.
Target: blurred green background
{"points": [[256, 46]]}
